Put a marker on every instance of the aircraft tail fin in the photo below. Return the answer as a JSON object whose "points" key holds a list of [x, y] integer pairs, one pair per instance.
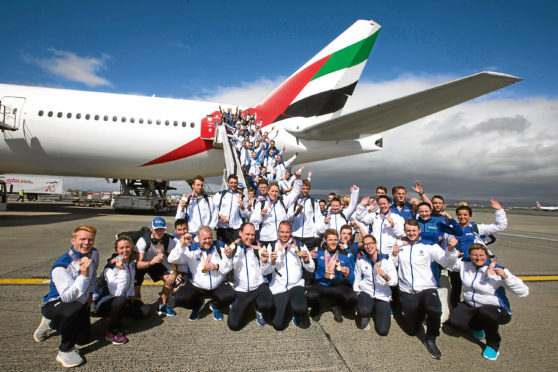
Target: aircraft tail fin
{"points": [[538, 205], [323, 84]]}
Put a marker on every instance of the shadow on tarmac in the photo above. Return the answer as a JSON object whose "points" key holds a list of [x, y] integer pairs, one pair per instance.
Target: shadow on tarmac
{"points": [[129, 325], [17, 214], [458, 333]]}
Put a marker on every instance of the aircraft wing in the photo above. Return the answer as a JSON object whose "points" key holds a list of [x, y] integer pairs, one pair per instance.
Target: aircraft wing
{"points": [[391, 114]]}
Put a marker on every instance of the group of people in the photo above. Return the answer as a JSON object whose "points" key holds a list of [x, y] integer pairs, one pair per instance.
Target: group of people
{"points": [[258, 155], [283, 253]]}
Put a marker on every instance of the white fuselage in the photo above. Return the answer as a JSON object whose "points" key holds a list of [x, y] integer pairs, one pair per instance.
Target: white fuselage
{"points": [[547, 208], [52, 139]]}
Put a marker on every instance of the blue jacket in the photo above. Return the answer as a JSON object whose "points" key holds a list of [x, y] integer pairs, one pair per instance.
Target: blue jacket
{"points": [[406, 212], [345, 260], [466, 239], [431, 230]]}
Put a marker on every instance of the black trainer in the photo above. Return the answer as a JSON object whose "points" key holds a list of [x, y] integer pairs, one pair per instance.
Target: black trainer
{"points": [[433, 349], [315, 313], [337, 313], [364, 323]]}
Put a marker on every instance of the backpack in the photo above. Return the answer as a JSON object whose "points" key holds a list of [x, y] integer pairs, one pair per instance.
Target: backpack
{"points": [[312, 201], [223, 193], [486, 239], [217, 247], [145, 234], [262, 203], [206, 198]]}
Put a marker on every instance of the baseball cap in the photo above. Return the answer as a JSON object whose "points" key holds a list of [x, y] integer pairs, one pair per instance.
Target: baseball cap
{"points": [[158, 223]]}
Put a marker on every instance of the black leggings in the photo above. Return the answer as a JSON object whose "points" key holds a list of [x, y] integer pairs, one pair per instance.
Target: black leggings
{"points": [[487, 318], [190, 296], [71, 319], [227, 236], [341, 294], [261, 296], [456, 284], [382, 313], [415, 306], [293, 299], [119, 307]]}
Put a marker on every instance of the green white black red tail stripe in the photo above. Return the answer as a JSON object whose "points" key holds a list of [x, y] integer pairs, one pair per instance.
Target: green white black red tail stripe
{"points": [[323, 84]]}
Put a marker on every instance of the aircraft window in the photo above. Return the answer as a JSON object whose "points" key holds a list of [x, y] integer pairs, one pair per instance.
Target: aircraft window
{"points": [[59, 114], [69, 115], [141, 120], [149, 121], [175, 123], [41, 113], [114, 118], [167, 122], [123, 119], [105, 118], [132, 120], [78, 116], [96, 117], [192, 125], [87, 117], [158, 122], [183, 124], [50, 113]]}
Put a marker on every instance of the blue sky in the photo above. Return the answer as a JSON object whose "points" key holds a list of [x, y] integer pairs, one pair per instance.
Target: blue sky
{"points": [[189, 48], [237, 51]]}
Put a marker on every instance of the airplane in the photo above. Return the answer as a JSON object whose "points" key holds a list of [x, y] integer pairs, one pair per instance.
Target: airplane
{"points": [[93, 134], [542, 208]]}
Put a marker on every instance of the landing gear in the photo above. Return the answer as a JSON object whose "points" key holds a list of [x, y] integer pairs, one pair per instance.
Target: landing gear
{"points": [[142, 195]]}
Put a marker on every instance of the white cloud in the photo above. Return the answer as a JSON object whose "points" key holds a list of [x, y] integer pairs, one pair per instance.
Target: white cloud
{"points": [[486, 147], [73, 67], [247, 94]]}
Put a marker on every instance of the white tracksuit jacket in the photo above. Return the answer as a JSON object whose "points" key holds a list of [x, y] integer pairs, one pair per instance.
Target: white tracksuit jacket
{"points": [[289, 266], [194, 257], [366, 279], [269, 223], [385, 235], [414, 262], [481, 288]]}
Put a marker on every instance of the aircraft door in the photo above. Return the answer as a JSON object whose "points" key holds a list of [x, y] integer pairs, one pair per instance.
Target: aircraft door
{"points": [[11, 112], [208, 125]]}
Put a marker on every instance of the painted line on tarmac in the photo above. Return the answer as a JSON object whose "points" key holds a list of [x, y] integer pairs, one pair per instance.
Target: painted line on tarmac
{"points": [[43, 281], [528, 236], [538, 278], [46, 281]]}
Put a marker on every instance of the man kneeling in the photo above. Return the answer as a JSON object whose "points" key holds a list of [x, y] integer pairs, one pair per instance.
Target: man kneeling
{"points": [[248, 265], [208, 266], [66, 305], [288, 258]]}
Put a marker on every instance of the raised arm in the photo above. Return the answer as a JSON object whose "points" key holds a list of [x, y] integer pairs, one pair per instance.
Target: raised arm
{"points": [[418, 189], [501, 221]]}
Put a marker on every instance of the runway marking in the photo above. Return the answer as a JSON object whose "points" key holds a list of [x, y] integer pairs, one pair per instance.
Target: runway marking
{"points": [[527, 236], [46, 281], [538, 278], [43, 281]]}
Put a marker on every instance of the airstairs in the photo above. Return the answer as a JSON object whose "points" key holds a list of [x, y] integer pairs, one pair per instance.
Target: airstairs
{"points": [[232, 161], [8, 117]]}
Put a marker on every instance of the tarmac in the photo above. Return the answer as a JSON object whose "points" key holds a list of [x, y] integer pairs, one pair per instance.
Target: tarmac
{"points": [[34, 235]]}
